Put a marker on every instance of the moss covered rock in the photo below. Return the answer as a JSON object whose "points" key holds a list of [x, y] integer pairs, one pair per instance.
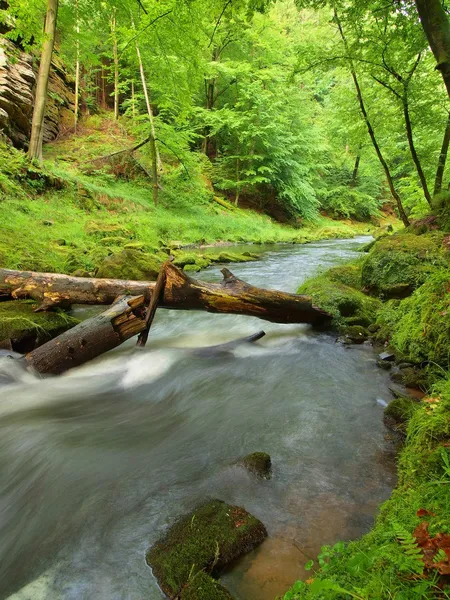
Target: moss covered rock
{"points": [[258, 463], [130, 264], [354, 334], [398, 412], [207, 539], [348, 305], [400, 263], [204, 587], [22, 330]]}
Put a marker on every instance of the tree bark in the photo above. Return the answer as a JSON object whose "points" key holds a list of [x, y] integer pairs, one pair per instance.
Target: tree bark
{"points": [[153, 305], [156, 161], [412, 148], [442, 159], [40, 101], [436, 26], [373, 138], [355, 170], [90, 339], [116, 66], [180, 292], [77, 71]]}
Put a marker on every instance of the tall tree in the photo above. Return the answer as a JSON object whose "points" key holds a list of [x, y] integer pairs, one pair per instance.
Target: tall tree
{"points": [[37, 125]]}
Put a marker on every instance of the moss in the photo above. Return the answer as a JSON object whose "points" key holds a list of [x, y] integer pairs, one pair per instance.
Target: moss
{"points": [[400, 263], [347, 304], [398, 413], [258, 463], [130, 264], [208, 538], [419, 327], [204, 587], [26, 329], [355, 334], [349, 275]]}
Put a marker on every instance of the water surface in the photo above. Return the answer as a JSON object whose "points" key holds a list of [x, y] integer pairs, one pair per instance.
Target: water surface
{"points": [[95, 464]]}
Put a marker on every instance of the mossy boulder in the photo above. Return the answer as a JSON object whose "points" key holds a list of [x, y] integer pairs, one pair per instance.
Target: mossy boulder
{"points": [[204, 587], [22, 330], [400, 263], [398, 413], [418, 328], [258, 463], [130, 264], [349, 306], [354, 334], [207, 539], [194, 261], [349, 275]]}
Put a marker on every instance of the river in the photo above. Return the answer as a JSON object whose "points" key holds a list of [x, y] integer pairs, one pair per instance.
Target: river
{"points": [[96, 463]]}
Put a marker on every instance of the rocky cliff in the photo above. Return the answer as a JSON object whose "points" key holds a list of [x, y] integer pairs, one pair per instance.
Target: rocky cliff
{"points": [[18, 72]]}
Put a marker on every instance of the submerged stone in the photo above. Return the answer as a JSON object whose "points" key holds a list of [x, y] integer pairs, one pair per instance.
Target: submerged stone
{"points": [[207, 539], [258, 463], [204, 587]]}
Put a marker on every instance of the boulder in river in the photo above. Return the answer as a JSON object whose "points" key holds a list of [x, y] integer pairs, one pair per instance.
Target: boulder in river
{"points": [[207, 539], [204, 587], [258, 463]]}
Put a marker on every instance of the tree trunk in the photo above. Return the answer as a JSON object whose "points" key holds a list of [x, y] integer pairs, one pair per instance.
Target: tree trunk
{"points": [[77, 72], [89, 339], [377, 148], [156, 160], [442, 159], [436, 26], [355, 170], [116, 67], [180, 292], [412, 147], [133, 101], [40, 101]]}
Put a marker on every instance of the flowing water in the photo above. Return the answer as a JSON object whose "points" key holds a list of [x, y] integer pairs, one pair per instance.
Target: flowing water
{"points": [[96, 463]]}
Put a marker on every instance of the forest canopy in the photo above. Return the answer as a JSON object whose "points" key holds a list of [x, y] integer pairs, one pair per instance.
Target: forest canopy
{"points": [[295, 107]]}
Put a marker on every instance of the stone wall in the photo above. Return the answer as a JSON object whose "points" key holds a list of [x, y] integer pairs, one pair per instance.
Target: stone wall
{"points": [[18, 72]]}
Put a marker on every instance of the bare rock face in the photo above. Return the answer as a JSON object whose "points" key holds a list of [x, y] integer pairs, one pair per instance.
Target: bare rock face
{"points": [[17, 85]]}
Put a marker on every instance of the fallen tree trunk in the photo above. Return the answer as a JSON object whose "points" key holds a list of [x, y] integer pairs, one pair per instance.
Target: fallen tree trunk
{"points": [[121, 321], [180, 292]]}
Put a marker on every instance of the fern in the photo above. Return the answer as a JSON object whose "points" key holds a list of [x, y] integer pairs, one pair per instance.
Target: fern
{"points": [[412, 554]]}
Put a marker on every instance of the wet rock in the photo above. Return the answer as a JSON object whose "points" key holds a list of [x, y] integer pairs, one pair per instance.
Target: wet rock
{"points": [[398, 413], [373, 328], [354, 334], [387, 356], [384, 364], [207, 539], [410, 377], [204, 587], [258, 463]]}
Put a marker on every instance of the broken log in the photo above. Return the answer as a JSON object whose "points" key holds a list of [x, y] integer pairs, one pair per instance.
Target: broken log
{"points": [[232, 295], [121, 321], [153, 305]]}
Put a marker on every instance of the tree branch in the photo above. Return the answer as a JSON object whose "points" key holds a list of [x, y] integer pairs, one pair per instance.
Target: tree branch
{"points": [[218, 22], [144, 29]]}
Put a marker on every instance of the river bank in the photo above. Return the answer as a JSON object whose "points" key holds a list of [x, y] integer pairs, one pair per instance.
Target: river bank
{"points": [[406, 554]]}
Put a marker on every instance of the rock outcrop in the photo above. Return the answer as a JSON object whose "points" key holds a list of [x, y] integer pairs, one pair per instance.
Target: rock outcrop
{"points": [[18, 71]]}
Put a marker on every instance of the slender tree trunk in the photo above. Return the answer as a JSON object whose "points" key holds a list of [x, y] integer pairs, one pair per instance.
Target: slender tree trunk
{"points": [[436, 26], [373, 138], [77, 72], [442, 159], [412, 147], [238, 176], [133, 101], [116, 67], [103, 89], [153, 147], [40, 101], [355, 170]]}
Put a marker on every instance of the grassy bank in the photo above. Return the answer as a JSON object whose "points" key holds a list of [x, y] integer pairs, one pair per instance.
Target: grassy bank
{"points": [[399, 294], [78, 210]]}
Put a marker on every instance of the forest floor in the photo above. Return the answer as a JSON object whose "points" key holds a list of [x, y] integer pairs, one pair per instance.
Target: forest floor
{"points": [[398, 295], [79, 211]]}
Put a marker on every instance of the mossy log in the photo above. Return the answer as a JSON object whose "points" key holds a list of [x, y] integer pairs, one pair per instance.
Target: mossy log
{"points": [[91, 338], [232, 295]]}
